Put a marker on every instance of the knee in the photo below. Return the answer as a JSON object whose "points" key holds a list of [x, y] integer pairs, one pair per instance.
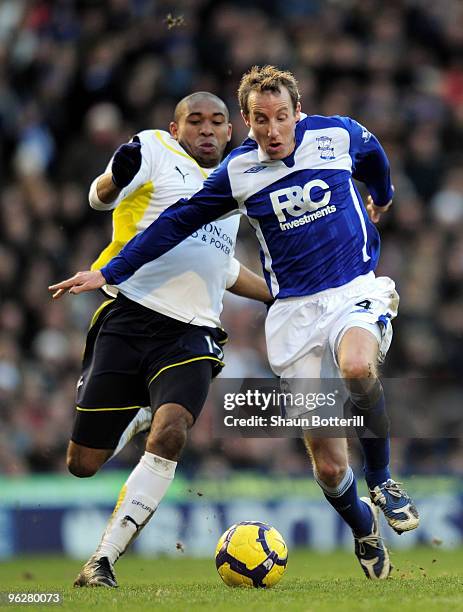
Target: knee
{"points": [[331, 472], [81, 470], [82, 467], [329, 459], [358, 368], [330, 463]]}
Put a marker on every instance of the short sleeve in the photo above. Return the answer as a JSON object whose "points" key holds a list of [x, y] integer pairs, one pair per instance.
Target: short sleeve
{"points": [[233, 272]]}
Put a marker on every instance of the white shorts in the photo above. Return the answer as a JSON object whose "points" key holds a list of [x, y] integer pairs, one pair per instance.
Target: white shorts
{"points": [[303, 334]]}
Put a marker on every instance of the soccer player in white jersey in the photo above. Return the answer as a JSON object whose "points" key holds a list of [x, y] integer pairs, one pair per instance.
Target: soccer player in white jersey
{"points": [[319, 249], [159, 343]]}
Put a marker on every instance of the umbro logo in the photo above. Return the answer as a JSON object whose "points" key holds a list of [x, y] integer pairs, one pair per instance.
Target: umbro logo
{"points": [[254, 169]]}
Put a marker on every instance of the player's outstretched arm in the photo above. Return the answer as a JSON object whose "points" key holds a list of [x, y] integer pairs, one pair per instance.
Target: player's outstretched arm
{"points": [[176, 223], [251, 285], [80, 282]]}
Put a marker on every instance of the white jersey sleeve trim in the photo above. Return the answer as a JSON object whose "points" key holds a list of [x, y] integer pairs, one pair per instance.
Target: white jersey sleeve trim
{"points": [[233, 272], [275, 287], [95, 201], [358, 208]]}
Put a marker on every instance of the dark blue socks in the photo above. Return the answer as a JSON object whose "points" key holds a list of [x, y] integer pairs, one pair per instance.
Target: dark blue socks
{"points": [[347, 504], [374, 435]]}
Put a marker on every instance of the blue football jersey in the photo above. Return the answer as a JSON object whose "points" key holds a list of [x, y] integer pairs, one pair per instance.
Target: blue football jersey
{"points": [[312, 226]]}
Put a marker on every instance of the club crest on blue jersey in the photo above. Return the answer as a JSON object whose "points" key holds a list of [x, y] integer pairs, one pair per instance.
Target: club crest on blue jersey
{"points": [[325, 148], [366, 135]]}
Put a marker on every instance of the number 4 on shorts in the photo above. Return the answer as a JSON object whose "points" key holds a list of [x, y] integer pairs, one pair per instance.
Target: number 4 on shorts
{"points": [[366, 304]]}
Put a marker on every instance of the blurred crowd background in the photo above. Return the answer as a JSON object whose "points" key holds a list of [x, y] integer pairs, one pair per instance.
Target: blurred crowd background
{"points": [[77, 78]]}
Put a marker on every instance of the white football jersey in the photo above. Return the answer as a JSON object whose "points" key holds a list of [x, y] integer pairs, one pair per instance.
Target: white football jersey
{"points": [[188, 282]]}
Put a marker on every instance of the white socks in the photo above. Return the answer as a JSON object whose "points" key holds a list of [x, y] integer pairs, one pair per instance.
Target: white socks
{"points": [[138, 500]]}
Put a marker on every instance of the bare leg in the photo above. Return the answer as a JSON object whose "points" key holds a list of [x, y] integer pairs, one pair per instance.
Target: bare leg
{"points": [[357, 357]]}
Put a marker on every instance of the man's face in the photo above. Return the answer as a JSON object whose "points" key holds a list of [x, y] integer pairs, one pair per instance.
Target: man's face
{"points": [[203, 130], [273, 121]]}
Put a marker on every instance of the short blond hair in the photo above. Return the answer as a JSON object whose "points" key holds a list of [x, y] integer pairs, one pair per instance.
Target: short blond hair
{"points": [[267, 78]]}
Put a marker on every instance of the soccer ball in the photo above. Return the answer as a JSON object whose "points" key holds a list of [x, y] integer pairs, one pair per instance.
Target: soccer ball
{"points": [[251, 554]]}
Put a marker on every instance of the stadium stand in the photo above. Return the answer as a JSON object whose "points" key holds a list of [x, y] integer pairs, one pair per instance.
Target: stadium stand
{"points": [[77, 79]]}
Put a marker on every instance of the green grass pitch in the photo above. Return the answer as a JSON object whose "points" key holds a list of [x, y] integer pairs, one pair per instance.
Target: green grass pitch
{"points": [[423, 579]]}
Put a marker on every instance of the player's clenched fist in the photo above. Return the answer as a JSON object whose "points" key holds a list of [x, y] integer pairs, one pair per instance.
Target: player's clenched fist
{"points": [[126, 163], [80, 282], [375, 212]]}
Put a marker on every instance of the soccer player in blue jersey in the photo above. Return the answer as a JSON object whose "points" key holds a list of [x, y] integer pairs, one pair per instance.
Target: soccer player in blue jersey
{"points": [[293, 179]]}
